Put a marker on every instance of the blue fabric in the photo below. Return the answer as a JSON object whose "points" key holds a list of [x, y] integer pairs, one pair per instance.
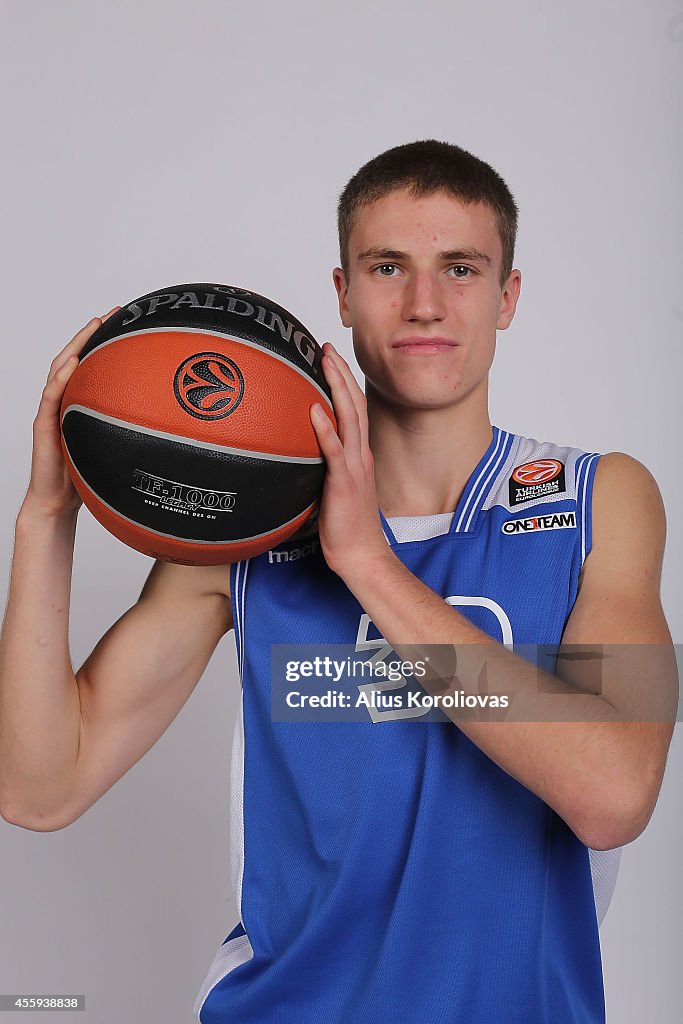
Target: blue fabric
{"points": [[392, 871]]}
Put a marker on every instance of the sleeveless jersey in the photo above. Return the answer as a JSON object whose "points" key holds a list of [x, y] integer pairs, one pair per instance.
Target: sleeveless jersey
{"points": [[388, 869]]}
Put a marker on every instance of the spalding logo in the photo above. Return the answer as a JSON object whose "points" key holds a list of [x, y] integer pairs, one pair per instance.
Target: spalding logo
{"points": [[208, 385]]}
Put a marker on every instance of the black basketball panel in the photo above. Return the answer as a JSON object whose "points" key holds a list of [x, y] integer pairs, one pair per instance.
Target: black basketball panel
{"points": [[224, 309], [190, 492]]}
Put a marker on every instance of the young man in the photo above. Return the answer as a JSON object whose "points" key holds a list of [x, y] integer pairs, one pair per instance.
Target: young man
{"points": [[393, 868]]}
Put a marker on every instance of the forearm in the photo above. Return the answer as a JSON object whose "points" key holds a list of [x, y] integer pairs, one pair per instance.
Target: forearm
{"points": [[560, 742], [39, 699], [566, 746]]}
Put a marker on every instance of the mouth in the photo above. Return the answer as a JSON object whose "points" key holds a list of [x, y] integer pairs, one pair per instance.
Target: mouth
{"points": [[424, 345]]}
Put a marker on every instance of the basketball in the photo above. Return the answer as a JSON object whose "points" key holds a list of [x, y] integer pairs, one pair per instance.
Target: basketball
{"points": [[186, 428]]}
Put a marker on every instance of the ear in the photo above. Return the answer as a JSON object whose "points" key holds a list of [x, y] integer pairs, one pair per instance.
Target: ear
{"points": [[508, 300], [342, 287]]}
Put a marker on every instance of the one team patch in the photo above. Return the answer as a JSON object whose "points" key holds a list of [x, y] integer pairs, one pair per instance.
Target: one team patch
{"points": [[555, 521], [536, 480]]}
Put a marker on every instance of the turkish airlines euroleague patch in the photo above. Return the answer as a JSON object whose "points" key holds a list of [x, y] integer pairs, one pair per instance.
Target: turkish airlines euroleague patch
{"points": [[536, 479]]}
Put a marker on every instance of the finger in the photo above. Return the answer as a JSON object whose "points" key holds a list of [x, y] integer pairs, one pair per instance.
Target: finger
{"points": [[79, 340], [345, 369], [53, 392], [345, 411], [359, 401], [355, 390], [328, 439], [57, 382], [75, 345]]}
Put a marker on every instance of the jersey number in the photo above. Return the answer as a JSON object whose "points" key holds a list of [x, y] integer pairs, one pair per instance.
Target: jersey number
{"points": [[382, 650]]}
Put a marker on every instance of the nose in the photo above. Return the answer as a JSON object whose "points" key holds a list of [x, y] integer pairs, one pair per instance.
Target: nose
{"points": [[422, 299]]}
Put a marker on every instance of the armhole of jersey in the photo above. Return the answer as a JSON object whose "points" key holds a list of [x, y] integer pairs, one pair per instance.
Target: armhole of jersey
{"points": [[586, 465], [604, 865], [238, 578]]}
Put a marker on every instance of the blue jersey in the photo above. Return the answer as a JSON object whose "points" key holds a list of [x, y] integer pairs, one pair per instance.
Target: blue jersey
{"points": [[387, 869]]}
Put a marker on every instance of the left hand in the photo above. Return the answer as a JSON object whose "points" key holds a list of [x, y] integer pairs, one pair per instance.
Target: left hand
{"points": [[349, 525]]}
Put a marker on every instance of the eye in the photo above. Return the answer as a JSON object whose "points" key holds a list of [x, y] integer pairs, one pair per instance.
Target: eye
{"points": [[384, 267], [460, 266]]}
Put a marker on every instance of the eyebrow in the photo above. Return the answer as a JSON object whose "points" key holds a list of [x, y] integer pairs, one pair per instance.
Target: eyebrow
{"points": [[377, 252]]}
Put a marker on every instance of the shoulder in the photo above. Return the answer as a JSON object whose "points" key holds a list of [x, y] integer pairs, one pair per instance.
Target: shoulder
{"points": [[539, 472], [629, 521], [624, 487]]}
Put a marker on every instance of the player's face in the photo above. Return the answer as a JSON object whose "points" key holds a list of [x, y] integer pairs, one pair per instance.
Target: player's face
{"points": [[421, 270]]}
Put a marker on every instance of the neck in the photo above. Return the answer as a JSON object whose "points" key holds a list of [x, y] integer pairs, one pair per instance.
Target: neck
{"points": [[424, 457]]}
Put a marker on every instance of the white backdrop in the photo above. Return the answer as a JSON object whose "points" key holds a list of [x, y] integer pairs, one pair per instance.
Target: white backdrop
{"points": [[150, 143]]}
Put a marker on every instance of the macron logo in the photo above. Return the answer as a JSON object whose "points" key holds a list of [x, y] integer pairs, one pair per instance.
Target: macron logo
{"points": [[294, 554]]}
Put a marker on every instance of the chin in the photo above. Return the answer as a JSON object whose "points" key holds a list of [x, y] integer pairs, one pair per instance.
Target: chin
{"points": [[418, 401]]}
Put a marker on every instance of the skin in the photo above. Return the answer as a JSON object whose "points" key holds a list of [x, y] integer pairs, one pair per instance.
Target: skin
{"points": [[595, 753], [428, 412]]}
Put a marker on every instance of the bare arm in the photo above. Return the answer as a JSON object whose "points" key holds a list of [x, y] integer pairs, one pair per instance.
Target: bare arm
{"points": [[39, 706], [142, 672], [38, 694], [592, 741], [66, 737]]}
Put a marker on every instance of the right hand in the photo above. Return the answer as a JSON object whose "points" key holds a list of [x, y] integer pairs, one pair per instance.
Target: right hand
{"points": [[50, 488]]}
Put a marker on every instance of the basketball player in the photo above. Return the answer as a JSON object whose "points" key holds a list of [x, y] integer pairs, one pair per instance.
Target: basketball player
{"points": [[388, 869]]}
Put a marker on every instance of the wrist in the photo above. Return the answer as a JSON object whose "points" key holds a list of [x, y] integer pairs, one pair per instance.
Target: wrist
{"points": [[33, 515], [367, 565]]}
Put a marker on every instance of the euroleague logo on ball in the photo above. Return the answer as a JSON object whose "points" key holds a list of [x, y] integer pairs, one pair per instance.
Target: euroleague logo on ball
{"points": [[208, 385]]}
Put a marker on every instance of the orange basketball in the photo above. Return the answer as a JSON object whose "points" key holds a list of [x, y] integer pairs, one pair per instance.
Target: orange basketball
{"points": [[186, 425]]}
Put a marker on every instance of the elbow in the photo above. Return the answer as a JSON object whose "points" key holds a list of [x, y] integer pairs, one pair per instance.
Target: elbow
{"points": [[606, 839], [616, 809], [616, 822], [34, 823]]}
